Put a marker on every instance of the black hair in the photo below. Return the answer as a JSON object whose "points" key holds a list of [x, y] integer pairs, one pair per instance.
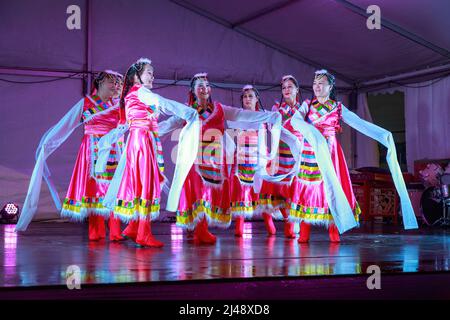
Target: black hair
{"points": [[136, 69]]}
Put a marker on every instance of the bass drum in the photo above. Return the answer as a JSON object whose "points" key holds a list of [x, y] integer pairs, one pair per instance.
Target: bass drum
{"points": [[431, 205]]}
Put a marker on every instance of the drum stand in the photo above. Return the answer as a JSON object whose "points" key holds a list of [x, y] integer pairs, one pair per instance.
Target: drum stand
{"points": [[444, 221]]}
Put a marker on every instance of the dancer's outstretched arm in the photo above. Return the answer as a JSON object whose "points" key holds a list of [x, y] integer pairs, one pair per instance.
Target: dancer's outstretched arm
{"points": [[274, 118], [169, 125], [189, 140]]}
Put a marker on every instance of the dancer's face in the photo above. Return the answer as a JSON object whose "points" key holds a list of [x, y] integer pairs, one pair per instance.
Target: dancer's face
{"points": [[202, 90], [147, 77], [249, 100], [118, 85], [321, 87], [107, 88], [289, 90]]}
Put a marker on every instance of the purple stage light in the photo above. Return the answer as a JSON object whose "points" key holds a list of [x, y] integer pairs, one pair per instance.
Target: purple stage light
{"points": [[9, 213]]}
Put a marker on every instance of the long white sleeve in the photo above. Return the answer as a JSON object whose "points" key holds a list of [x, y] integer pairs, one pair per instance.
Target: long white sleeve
{"points": [[245, 118], [189, 140], [335, 196], [174, 108], [169, 125], [105, 144], [51, 140], [239, 115], [303, 110], [385, 137]]}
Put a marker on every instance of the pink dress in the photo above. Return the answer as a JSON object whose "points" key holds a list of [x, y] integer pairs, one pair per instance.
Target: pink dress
{"points": [[139, 192], [307, 200], [206, 191], [87, 189]]}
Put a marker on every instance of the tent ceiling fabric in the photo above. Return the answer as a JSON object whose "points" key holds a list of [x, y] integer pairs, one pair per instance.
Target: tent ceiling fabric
{"points": [[182, 43], [238, 46], [329, 34], [34, 35], [427, 19]]}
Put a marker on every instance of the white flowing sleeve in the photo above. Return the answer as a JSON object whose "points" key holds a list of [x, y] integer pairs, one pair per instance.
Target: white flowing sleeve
{"points": [[188, 141], [105, 144], [167, 106], [303, 110], [169, 125], [384, 137], [335, 196], [243, 117], [51, 140], [109, 201]]}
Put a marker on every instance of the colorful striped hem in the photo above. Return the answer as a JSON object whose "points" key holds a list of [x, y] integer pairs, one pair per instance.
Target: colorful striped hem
{"points": [[256, 212], [142, 208], [316, 215], [201, 208], [80, 213]]}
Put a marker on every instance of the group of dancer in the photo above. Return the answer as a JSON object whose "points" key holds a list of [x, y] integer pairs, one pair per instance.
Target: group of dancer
{"points": [[303, 179]]}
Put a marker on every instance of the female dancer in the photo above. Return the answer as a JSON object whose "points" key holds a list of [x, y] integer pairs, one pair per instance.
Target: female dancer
{"points": [[277, 193], [309, 202], [205, 197], [135, 192], [245, 202], [86, 190]]}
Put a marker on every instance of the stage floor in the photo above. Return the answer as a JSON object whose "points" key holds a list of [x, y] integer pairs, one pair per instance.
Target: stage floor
{"points": [[42, 255]]}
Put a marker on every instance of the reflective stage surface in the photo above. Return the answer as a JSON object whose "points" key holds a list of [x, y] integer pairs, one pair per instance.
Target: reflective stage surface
{"points": [[43, 254]]}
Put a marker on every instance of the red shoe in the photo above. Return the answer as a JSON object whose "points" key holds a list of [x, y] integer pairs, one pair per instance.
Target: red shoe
{"points": [[114, 229], [202, 235], [101, 227], [333, 233], [131, 230], [150, 241], [211, 237], [92, 229], [145, 237], [97, 229], [305, 230], [268, 222], [289, 230], [239, 230]]}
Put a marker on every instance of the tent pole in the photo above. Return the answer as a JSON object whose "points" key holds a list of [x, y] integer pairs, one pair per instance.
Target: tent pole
{"points": [[87, 81], [405, 76], [353, 106]]}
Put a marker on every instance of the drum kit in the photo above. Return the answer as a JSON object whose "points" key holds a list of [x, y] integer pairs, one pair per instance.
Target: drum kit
{"points": [[435, 203]]}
